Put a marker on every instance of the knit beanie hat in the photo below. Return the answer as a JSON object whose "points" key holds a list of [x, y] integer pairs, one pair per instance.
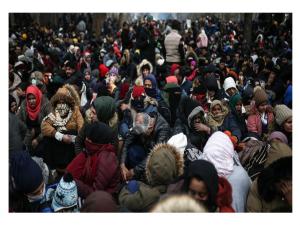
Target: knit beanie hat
{"points": [[26, 174], [174, 67], [103, 70], [171, 79], [138, 91], [260, 96], [229, 83], [278, 135], [99, 132], [105, 108], [282, 113], [65, 195]]}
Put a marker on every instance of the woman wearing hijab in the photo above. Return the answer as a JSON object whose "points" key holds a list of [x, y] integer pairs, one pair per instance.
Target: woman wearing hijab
{"points": [[220, 119], [32, 111], [220, 152], [206, 187]]}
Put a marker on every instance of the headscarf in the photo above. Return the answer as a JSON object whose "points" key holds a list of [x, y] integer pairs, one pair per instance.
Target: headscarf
{"points": [[216, 120], [33, 113], [151, 92], [206, 171], [220, 152], [234, 100]]}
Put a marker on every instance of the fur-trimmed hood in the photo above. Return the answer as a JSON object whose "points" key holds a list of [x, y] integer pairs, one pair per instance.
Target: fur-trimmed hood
{"points": [[164, 164], [68, 94], [143, 63]]}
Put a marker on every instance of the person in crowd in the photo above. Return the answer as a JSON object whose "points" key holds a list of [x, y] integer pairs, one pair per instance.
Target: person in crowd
{"points": [[137, 196], [26, 193], [97, 167], [260, 120], [33, 110], [60, 128], [219, 150], [220, 118], [146, 132], [205, 186], [284, 121], [103, 109], [272, 190], [173, 45], [63, 195], [236, 107]]}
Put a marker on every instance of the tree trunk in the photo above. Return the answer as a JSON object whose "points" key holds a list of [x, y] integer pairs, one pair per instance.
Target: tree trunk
{"points": [[248, 27]]}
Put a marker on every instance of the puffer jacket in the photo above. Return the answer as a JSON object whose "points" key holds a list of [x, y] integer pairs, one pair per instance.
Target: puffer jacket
{"points": [[96, 169], [161, 134], [254, 123], [140, 197]]}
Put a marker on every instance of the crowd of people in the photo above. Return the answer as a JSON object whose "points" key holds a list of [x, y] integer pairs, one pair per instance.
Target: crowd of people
{"points": [[152, 116]]}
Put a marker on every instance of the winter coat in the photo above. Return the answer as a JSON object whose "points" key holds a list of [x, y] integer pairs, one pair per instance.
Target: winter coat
{"points": [[256, 204], [172, 42], [22, 115], [146, 44], [138, 196], [160, 134], [96, 169], [254, 123], [17, 130], [58, 153]]}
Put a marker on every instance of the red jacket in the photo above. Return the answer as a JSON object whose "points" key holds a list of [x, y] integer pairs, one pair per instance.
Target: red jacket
{"points": [[97, 169], [224, 196]]}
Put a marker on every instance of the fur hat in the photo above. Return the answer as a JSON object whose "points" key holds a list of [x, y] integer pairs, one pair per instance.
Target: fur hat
{"points": [[65, 195], [260, 96], [282, 113]]}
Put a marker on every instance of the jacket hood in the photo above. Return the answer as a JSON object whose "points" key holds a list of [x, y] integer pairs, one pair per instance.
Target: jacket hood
{"points": [[197, 110], [62, 95], [220, 152], [143, 63], [164, 164], [206, 171]]}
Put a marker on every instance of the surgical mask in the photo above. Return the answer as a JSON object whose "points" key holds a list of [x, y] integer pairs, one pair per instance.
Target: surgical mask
{"points": [[39, 197], [62, 109], [139, 129]]}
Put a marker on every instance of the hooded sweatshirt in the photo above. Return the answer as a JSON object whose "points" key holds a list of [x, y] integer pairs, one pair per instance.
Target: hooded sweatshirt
{"points": [[219, 150]]}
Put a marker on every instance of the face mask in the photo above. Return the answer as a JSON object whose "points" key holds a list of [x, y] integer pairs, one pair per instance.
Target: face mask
{"points": [[151, 92], [138, 104], [37, 197], [139, 129], [62, 109]]}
